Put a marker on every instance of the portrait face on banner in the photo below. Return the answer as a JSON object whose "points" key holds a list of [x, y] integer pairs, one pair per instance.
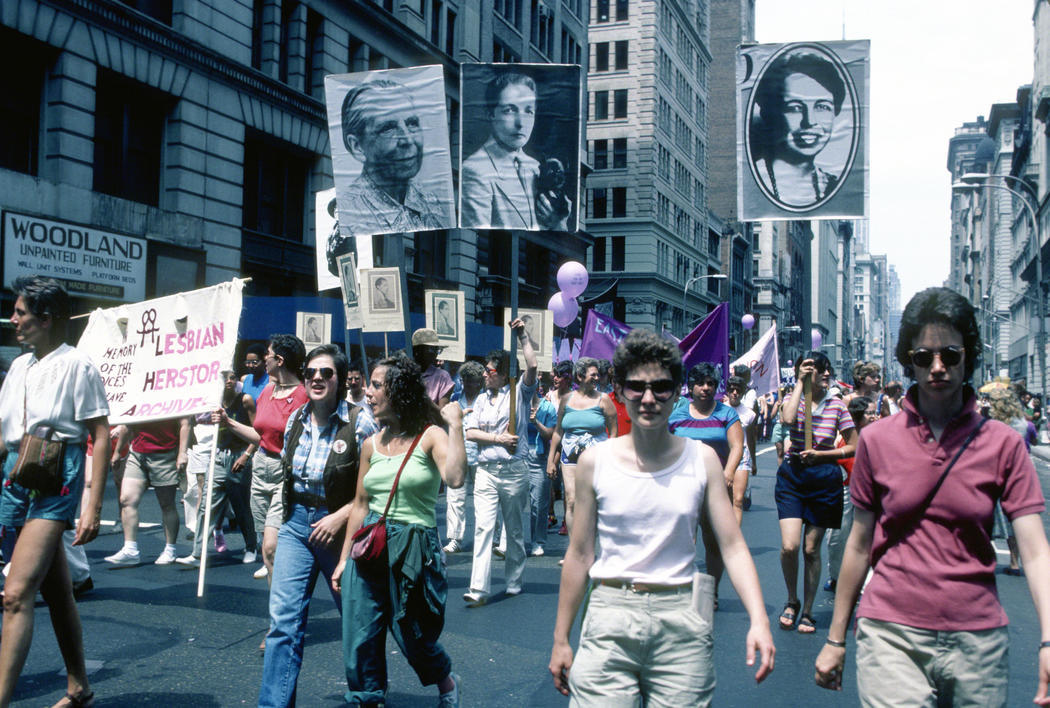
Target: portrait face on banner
{"points": [[802, 130], [390, 151], [539, 328], [445, 311], [519, 147], [381, 303], [314, 328]]}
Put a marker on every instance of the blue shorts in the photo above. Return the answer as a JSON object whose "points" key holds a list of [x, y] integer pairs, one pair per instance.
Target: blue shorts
{"points": [[17, 504], [813, 494]]}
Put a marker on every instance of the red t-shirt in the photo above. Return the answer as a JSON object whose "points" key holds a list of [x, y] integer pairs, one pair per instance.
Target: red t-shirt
{"points": [[162, 436], [623, 421], [271, 415], [941, 576]]}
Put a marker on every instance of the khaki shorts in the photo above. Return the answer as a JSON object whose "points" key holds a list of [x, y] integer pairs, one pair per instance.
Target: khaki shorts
{"points": [[899, 665], [156, 469], [267, 492]]}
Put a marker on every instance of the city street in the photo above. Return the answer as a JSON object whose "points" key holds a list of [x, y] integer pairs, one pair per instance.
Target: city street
{"points": [[150, 641]]}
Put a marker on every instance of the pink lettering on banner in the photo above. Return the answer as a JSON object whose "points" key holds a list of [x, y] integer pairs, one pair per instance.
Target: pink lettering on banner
{"points": [[192, 340], [193, 375], [166, 408]]}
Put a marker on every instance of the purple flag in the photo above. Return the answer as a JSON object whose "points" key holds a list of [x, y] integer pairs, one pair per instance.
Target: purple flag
{"points": [[601, 334], [709, 341]]}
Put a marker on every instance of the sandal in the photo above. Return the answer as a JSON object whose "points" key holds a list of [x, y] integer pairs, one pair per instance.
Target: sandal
{"points": [[806, 625], [787, 619], [84, 700]]}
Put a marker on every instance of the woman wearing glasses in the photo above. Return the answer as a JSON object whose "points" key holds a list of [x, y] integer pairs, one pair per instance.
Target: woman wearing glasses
{"points": [[640, 497], [924, 487], [808, 490]]}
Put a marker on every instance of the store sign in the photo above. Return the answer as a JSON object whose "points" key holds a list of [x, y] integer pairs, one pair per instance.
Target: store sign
{"points": [[85, 260]]}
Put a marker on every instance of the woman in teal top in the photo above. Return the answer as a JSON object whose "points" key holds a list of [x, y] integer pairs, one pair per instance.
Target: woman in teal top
{"points": [[405, 590], [585, 416]]}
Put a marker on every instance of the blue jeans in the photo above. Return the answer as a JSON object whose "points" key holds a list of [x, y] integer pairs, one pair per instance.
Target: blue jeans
{"points": [[540, 493], [296, 565]]}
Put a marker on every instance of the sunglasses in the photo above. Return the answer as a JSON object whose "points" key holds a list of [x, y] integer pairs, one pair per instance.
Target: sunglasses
{"points": [[490, 370], [633, 389], [326, 372], [923, 358]]}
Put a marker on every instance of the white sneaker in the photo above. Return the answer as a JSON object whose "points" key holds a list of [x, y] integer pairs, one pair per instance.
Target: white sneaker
{"points": [[165, 558], [537, 551], [249, 557], [511, 592], [261, 573], [452, 547], [474, 599], [452, 698], [124, 557], [190, 561]]}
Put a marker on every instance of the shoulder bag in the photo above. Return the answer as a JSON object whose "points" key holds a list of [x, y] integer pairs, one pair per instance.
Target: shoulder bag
{"points": [[39, 464]]}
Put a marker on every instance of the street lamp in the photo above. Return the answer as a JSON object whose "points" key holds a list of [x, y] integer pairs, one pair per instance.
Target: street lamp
{"points": [[973, 180], [685, 290]]}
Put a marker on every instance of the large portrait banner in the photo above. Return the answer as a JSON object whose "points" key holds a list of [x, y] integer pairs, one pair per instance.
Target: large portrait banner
{"points": [[445, 310], [802, 130], [519, 147], [163, 358], [380, 297], [539, 328]]}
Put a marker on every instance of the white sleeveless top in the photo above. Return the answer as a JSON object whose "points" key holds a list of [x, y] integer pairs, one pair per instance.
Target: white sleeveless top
{"points": [[647, 520]]}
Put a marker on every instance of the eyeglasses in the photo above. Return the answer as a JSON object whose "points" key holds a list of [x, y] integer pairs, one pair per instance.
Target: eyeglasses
{"points": [[490, 370], [923, 358], [634, 389], [326, 372]]}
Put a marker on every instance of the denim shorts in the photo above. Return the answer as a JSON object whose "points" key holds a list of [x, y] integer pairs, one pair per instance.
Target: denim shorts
{"points": [[813, 493], [17, 504]]}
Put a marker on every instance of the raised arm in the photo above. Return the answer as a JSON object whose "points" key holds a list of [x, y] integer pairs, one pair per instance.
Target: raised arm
{"points": [[447, 449], [527, 352]]}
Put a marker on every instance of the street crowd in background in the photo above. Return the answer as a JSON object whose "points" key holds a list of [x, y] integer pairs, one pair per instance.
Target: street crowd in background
{"points": [[333, 469]]}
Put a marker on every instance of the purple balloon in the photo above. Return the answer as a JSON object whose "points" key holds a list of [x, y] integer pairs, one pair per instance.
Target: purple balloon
{"points": [[816, 338], [748, 321], [572, 279], [563, 308]]}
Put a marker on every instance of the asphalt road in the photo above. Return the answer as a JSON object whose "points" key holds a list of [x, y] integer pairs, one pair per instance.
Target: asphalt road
{"points": [[150, 641]]}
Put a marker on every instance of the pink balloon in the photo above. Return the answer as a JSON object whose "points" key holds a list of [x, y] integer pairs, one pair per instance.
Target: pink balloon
{"points": [[563, 308], [816, 338], [572, 279], [748, 321]]}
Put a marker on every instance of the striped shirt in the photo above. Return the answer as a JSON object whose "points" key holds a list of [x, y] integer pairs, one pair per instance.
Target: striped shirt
{"points": [[830, 417], [710, 430], [309, 459]]}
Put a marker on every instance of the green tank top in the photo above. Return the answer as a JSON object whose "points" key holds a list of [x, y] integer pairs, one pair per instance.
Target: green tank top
{"points": [[417, 491]]}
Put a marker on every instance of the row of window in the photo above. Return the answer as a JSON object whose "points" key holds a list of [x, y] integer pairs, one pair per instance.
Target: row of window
{"points": [[604, 6], [599, 200], [601, 55], [683, 44], [617, 245], [677, 128], [601, 104], [600, 154], [683, 90]]}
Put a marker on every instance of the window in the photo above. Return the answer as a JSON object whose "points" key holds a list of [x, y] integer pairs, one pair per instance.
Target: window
{"points": [[450, 33], [621, 55], [288, 10], [159, 10], [503, 53], [257, 33], [274, 187], [431, 249], [601, 56], [313, 82], [598, 255], [620, 103], [663, 163], [20, 101], [713, 284], [129, 131], [666, 67], [542, 27], [601, 154], [712, 243], [621, 10], [619, 259], [601, 105], [510, 10], [619, 153], [435, 22], [598, 203], [619, 202], [603, 11], [570, 48]]}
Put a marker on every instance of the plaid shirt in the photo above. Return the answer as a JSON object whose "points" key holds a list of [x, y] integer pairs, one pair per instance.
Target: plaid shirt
{"points": [[309, 459]]}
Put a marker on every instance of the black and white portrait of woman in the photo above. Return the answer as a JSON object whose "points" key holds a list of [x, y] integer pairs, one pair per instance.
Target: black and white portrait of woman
{"points": [[803, 137]]}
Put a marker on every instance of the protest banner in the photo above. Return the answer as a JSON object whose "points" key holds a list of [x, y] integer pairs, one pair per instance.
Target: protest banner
{"points": [[764, 362], [445, 314], [601, 334], [539, 327], [162, 358], [351, 289], [709, 341], [382, 309]]}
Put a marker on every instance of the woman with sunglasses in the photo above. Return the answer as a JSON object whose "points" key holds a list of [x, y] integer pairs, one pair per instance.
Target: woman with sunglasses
{"points": [[319, 464], [930, 625], [585, 417], [808, 490], [644, 638], [405, 590]]}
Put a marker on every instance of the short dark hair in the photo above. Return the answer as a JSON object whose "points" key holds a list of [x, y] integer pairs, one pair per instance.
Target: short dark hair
{"points": [[405, 391], [257, 349], [820, 360], [563, 369], [939, 306], [736, 382], [704, 371], [342, 366], [502, 81], [502, 359], [43, 297], [742, 370], [472, 370], [291, 349], [858, 406], [643, 346]]}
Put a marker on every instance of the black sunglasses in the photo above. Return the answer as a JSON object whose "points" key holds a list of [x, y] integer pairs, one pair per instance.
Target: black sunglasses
{"points": [[923, 358], [326, 372], [633, 389]]}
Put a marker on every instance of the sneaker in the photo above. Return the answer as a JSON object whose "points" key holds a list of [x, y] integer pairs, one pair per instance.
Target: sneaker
{"points": [[165, 558], [563, 531], [452, 546], [124, 557], [452, 698], [537, 551], [220, 542], [511, 592], [190, 561], [261, 573], [474, 599], [249, 557]]}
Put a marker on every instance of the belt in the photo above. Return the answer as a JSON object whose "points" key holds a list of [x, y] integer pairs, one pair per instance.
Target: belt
{"points": [[271, 455], [643, 587], [308, 499]]}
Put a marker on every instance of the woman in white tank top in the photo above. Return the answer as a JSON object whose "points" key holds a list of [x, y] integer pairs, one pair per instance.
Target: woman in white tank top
{"points": [[647, 628]]}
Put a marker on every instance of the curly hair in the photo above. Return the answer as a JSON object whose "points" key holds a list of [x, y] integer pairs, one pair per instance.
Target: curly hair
{"points": [[563, 369], [291, 349], [472, 370], [1005, 406], [704, 371], [643, 346], [404, 389], [945, 307]]}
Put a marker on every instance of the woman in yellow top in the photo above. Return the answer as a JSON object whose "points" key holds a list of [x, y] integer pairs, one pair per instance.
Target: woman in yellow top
{"points": [[405, 590]]}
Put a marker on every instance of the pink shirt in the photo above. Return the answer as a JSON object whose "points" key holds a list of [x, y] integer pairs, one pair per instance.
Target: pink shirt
{"points": [[941, 576], [271, 416], [437, 382]]}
